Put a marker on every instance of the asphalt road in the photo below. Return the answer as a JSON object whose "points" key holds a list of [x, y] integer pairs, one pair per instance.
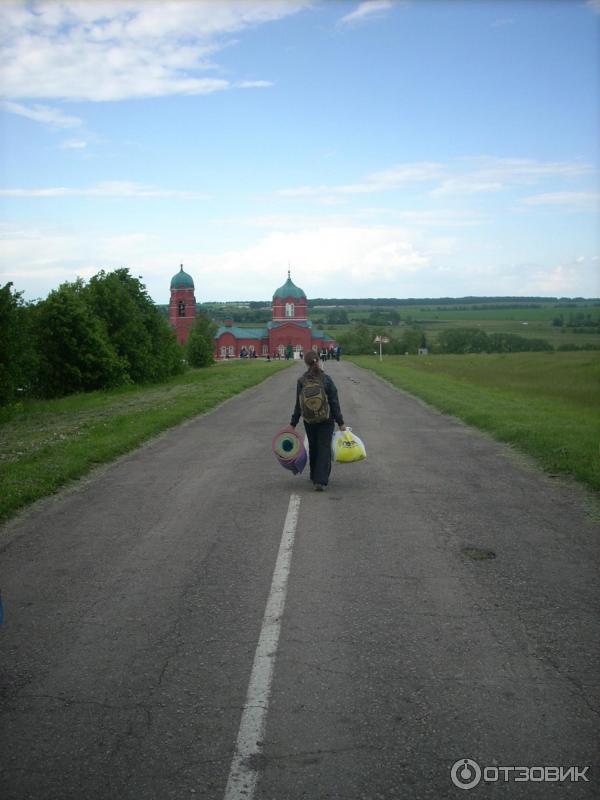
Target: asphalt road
{"points": [[134, 604]]}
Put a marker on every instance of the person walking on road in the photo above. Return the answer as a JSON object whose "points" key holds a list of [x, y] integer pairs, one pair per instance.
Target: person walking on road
{"points": [[317, 402]]}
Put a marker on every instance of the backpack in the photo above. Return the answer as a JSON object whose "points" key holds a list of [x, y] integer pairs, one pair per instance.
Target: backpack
{"points": [[313, 399]]}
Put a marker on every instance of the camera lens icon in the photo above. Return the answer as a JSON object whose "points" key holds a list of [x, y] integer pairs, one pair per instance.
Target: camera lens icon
{"points": [[465, 773]]}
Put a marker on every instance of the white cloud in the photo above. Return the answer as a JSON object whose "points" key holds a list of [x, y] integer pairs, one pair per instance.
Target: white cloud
{"points": [[573, 201], [594, 5], [559, 280], [73, 144], [384, 180], [324, 254], [324, 260], [488, 174], [473, 175], [45, 114], [116, 50], [327, 260], [416, 220], [105, 189], [367, 10], [469, 184], [443, 218], [253, 84]]}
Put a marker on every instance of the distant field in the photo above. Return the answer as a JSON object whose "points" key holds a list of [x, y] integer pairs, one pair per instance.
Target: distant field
{"points": [[535, 328], [545, 404], [547, 313], [44, 444]]}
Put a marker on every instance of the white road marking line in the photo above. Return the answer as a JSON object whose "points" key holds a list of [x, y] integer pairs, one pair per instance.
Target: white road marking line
{"points": [[243, 775]]}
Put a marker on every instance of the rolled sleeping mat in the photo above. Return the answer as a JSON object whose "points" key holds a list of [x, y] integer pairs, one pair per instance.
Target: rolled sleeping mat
{"points": [[289, 450]]}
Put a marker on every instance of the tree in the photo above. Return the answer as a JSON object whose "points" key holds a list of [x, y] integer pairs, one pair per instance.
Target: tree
{"points": [[75, 354], [16, 353], [463, 340], [137, 330], [337, 316], [200, 346], [410, 341], [358, 340]]}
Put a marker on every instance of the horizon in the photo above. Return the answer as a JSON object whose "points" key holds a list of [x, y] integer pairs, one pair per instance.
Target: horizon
{"points": [[379, 149]]}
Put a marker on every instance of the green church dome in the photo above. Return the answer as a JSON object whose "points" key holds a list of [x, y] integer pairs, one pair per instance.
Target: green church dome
{"points": [[182, 280], [289, 289]]}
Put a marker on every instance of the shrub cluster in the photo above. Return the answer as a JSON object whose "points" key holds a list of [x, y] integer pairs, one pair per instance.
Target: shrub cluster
{"points": [[359, 340], [82, 337]]}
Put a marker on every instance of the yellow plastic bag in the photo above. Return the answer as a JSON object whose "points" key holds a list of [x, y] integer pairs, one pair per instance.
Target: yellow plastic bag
{"points": [[346, 447]]}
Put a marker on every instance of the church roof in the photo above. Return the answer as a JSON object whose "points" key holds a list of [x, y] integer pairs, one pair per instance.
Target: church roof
{"points": [[242, 333], [289, 289], [181, 280]]}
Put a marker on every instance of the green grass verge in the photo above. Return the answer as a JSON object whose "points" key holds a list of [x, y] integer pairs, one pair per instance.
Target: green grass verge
{"points": [[45, 444], [545, 404]]}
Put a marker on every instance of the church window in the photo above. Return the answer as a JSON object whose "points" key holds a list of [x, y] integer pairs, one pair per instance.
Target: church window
{"points": [[289, 309], [181, 308]]}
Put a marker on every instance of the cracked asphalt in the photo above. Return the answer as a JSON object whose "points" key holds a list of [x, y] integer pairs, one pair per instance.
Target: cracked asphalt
{"points": [[134, 602]]}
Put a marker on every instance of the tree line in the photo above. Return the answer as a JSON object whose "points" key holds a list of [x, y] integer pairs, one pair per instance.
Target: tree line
{"points": [[86, 336], [359, 340]]}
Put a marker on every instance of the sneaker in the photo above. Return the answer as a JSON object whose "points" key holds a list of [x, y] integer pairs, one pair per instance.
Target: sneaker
{"points": [[319, 487]]}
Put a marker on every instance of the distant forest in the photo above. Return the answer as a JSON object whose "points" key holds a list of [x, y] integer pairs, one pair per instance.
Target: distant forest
{"points": [[260, 310]]}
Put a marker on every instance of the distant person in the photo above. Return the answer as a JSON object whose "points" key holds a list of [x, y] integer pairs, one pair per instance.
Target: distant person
{"points": [[317, 402], [338, 353]]}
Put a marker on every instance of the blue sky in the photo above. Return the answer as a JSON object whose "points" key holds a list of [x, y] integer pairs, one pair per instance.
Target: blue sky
{"points": [[411, 149]]}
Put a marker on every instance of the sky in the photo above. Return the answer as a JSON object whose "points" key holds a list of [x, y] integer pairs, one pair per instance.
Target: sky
{"points": [[418, 148]]}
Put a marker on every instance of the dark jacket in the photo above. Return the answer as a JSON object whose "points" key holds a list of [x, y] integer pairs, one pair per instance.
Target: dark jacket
{"points": [[335, 412]]}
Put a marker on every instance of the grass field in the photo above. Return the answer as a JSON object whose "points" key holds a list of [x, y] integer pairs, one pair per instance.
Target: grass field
{"points": [[45, 444], [545, 404]]}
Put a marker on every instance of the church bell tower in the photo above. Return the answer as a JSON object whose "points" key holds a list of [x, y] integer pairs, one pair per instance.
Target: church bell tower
{"points": [[182, 307]]}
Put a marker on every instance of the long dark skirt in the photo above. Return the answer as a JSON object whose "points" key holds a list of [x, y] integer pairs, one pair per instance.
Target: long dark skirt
{"points": [[319, 450]]}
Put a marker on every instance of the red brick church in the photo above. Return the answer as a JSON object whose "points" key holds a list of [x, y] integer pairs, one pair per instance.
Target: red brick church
{"points": [[289, 331]]}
